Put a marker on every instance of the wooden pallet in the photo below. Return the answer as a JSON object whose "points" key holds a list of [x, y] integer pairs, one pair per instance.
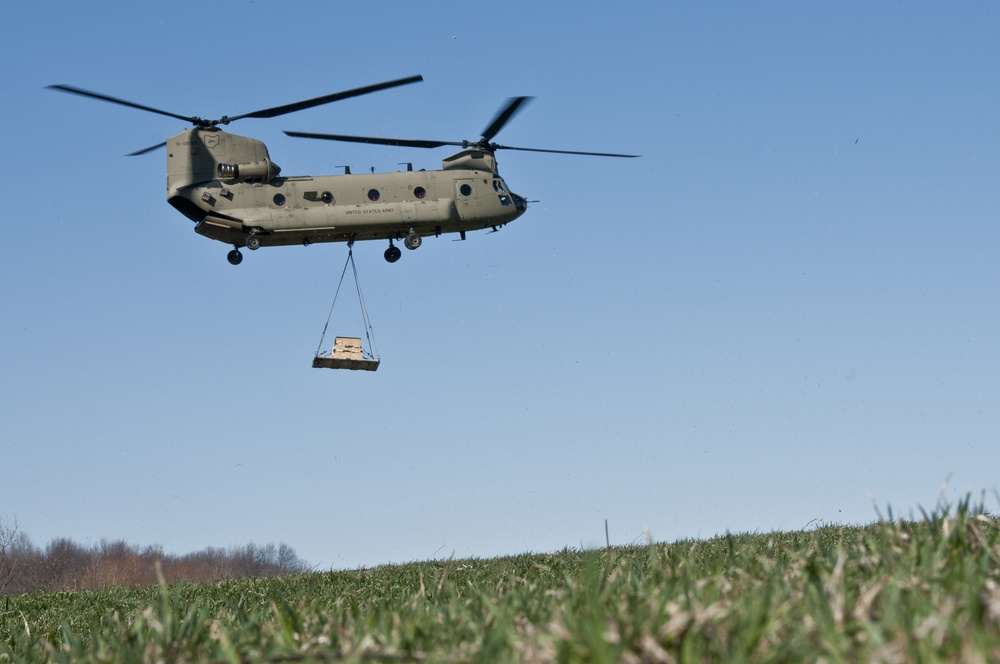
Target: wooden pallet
{"points": [[347, 353]]}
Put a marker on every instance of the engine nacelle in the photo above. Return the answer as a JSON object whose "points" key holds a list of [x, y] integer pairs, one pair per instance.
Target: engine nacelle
{"points": [[473, 160], [257, 171]]}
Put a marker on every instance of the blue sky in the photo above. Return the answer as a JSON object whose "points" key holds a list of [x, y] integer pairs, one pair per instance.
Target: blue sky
{"points": [[783, 314]]}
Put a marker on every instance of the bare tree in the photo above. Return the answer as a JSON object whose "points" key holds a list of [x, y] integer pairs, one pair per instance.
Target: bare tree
{"points": [[18, 559], [247, 561], [65, 563], [288, 561], [8, 568]]}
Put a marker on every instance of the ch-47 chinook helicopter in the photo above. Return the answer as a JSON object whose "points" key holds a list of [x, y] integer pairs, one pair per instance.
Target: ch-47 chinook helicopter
{"points": [[230, 188]]}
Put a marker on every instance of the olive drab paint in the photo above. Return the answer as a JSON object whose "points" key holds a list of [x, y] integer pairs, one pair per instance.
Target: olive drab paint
{"points": [[228, 185], [234, 193]]}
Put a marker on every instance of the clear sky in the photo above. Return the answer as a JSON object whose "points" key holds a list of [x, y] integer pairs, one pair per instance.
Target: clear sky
{"points": [[785, 313]]}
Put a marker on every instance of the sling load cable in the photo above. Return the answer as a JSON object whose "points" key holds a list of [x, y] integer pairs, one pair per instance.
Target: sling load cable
{"points": [[369, 330], [365, 318]]}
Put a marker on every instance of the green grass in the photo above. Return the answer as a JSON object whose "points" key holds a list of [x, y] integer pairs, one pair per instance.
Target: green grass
{"points": [[927, 590]]}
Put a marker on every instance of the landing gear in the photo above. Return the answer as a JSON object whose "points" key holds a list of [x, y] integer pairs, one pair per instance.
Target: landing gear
{"points": [[393, 253], [253, 243], [412, 241], [235, 257]]}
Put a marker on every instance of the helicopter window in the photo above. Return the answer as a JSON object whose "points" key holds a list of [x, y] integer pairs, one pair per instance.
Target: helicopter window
{"points": [[326, 197], [373, 195], [419, 192], [279, 199], [498, 186], [466, 189]]}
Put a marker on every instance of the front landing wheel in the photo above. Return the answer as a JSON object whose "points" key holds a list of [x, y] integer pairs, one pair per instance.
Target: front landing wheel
{"points": [[235, 257], [393, 253]]}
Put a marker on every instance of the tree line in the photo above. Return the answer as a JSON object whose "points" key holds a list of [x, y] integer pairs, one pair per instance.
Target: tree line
{"points": [[65, 565]]}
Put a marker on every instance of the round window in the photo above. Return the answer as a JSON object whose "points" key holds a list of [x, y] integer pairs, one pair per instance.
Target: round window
{"points": [[419, 192], [279, 199], [373, 194], [466, 189], [326, 197]]}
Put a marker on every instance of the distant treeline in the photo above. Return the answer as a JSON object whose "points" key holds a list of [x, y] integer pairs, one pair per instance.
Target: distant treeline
{"points": [[65, 565]]}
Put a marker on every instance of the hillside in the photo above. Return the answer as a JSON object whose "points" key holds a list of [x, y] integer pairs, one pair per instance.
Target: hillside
{"points": [[892, 591]]}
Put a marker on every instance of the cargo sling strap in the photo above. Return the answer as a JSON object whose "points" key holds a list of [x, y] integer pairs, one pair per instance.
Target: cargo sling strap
{"points": [[369, 332]]}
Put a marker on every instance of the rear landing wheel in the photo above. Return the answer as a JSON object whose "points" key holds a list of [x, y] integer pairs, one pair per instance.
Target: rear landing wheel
{"points": [[253, 243], [393, 253], [412, 241], [235, 257]]}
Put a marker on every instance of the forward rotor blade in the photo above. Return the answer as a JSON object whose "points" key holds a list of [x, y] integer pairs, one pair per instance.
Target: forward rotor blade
{"points": [[122, 102], [319, 101], [503, 117], [145, 150], [399, 142], [589, 154]]}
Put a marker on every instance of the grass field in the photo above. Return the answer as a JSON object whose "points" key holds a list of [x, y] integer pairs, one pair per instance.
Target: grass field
{"points": [[894, 591]]}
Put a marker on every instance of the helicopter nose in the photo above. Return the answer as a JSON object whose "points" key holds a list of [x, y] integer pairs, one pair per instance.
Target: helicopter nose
{"points": [[520, 203]]}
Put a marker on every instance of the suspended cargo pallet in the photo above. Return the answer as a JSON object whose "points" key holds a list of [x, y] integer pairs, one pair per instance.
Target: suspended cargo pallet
{"points": [[347, 353]]}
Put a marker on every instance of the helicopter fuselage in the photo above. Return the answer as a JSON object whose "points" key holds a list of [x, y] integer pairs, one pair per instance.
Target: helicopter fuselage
{"points": [[230, 188], [235, 194]]}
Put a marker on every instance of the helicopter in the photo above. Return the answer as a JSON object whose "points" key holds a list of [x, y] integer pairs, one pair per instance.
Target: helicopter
{"points": [[232, 191]]}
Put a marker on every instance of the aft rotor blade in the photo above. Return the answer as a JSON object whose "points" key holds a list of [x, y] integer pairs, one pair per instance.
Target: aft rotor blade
{"points": [[589, 154], [319, 101], [503, 117], [399, 142], [123, 102]]}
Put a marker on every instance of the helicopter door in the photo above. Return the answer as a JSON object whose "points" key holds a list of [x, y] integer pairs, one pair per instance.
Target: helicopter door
{"points": [[465, 200]]}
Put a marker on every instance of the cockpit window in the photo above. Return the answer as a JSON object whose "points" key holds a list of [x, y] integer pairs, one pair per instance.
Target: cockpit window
{"points": [[498, 186]]}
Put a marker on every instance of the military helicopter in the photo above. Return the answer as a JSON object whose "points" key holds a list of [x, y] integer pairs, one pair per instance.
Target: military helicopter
{"points": [[228, 185]]}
